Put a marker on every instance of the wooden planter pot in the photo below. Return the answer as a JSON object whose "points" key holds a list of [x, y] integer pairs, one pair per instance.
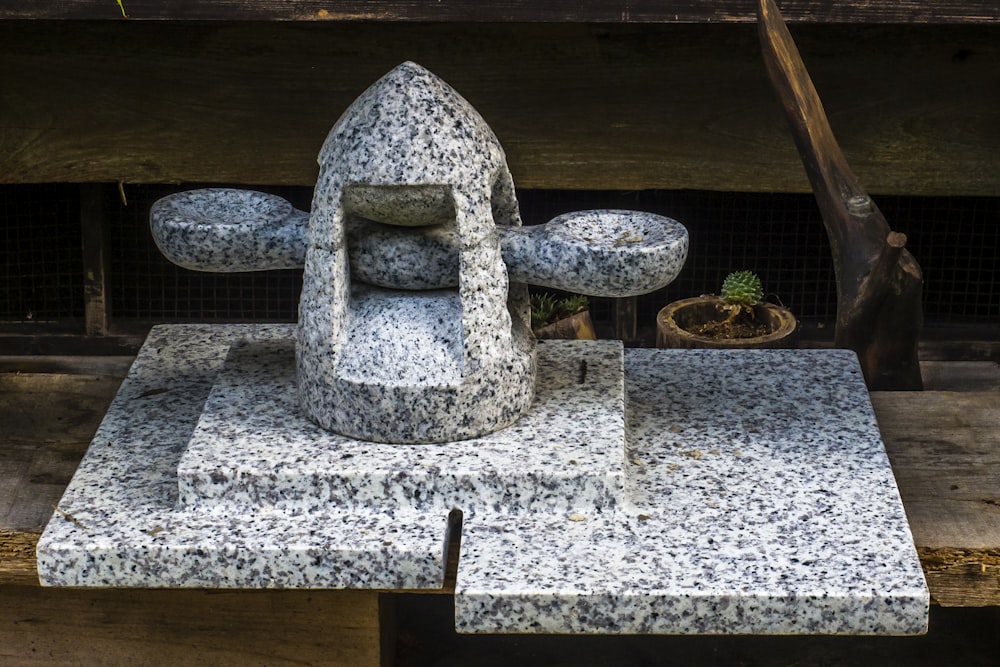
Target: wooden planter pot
{"points": [[673, 324], [574, 327]]}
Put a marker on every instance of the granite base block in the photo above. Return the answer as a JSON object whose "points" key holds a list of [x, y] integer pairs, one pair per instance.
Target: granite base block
{"points": [[752, 494], [253, 447]]}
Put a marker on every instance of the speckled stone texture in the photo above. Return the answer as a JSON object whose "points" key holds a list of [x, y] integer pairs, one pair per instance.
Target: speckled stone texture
{"points": [[604, 252], [413, 320], [253, 447], [127, 530], [759, 501], [609, 253], [757, 495], [224, 229], [410, 151]]}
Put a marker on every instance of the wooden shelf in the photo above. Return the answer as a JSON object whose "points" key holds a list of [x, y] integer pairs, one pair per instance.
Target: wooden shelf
{"points": [[592, 107], [944, 445], [590, 11]]}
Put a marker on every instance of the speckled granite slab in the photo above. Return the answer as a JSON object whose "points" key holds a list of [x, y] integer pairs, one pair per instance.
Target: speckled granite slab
{"points": [[253, 446], [759, 501], [119, 522]]}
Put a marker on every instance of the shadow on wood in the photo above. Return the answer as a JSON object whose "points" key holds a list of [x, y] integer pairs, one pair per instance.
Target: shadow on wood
{"points": [[878, 281]]}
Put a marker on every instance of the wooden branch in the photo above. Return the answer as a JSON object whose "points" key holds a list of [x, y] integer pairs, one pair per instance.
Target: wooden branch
{"points": [[878, 281]]}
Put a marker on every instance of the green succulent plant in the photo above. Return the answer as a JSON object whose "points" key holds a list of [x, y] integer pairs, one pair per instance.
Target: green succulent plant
{"points": [[546, 308], [743, 288]]}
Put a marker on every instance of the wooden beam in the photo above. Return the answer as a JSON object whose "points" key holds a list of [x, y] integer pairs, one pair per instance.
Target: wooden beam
{"points": [[623, 315], [176, 627], [623, 107], [945, 453], [634, 11]]}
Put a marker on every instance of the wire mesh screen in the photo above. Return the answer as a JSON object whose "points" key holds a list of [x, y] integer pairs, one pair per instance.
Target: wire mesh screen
{"points": [[780, 236], [146, 287], [956, 240], [41, 265]]}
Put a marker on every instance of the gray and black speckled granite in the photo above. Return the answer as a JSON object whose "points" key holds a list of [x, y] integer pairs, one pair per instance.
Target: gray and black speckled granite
{"points": [[253, 447], [126, 527], [759, 501], [757, 496], [602, 252], [412, 152], [229, 230], [413, 320]]}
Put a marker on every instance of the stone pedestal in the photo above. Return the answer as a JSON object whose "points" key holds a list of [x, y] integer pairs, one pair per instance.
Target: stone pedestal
{"points": [[646, 491]]}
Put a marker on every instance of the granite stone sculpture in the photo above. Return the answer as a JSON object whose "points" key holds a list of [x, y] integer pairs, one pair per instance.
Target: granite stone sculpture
{"points": [[241, 456], [413, 322]]}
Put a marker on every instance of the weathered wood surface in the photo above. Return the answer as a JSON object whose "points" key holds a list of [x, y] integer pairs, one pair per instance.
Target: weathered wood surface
{"points": [[44, 626], [628, 107], [907, 11], [962, 376], [945, 452], [46, 423], [944, 446], [879, 283]]}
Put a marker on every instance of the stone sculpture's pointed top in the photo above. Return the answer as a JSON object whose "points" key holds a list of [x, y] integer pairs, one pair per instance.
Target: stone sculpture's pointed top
{"points": [[411, 126]]}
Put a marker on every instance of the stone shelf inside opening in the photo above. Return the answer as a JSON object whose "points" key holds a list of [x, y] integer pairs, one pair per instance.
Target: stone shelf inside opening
{"points": [[647, 491]]}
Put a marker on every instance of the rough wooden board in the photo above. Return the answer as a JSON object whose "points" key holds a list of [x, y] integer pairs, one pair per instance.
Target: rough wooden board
{"points": [[17, 557], [962, 577], [916, 109], [109, 366], [945, 453], [44, 626], [505, 10], [53, 407], [961, 376], [46, 424]]}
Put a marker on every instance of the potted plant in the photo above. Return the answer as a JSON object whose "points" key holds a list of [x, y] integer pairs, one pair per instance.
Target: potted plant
{"points": [[737, 318], [567, 317]]}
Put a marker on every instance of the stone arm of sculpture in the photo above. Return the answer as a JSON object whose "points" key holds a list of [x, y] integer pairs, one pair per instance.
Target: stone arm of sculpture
{"points": [[606, 253]]}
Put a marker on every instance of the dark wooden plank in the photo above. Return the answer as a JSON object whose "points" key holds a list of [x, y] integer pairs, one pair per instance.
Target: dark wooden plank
{"points": [[17, 555], [976, 347], [108, 366], [576, 106], [961, 376], [69, 344], [46, 424], [907, 11], [44, 626], [624, 315], [945, 453]]}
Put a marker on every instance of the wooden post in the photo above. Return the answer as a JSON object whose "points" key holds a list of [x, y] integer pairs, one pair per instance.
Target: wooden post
{"points": [[879, 283], [624, 316], [96, 260]]}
